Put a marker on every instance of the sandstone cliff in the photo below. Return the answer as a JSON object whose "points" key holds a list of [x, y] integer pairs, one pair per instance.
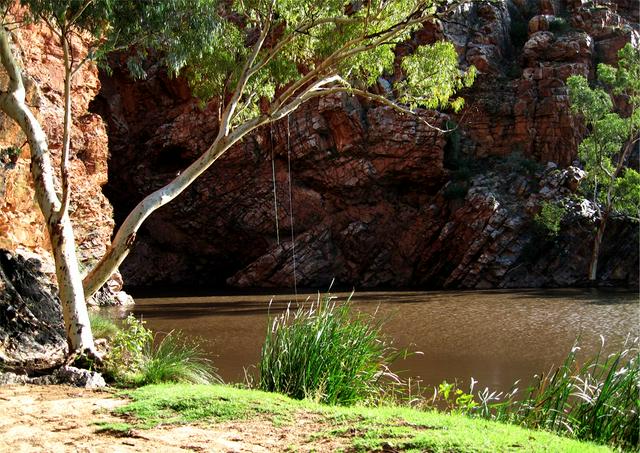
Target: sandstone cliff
{"points": [[21, 223]]}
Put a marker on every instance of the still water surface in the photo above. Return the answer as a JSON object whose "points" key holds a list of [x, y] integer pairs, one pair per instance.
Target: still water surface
{"points": [[496, 337]]}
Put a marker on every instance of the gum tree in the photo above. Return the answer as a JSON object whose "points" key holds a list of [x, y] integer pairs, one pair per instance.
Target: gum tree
{"points": [[258, 60], [610, 184]]}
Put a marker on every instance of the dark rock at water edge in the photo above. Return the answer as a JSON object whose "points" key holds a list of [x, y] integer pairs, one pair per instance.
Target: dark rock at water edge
{"points": [[32, 336]]}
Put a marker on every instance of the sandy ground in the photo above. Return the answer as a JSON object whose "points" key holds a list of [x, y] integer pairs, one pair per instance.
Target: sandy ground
{"points": [[62, 419]]}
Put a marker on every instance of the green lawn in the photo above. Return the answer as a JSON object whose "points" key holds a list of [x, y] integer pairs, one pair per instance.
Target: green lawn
{"points": [[363, 428]]}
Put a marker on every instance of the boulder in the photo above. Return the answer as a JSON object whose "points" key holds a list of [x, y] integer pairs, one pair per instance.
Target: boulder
{"points": [[67, 375], [32, 336]]}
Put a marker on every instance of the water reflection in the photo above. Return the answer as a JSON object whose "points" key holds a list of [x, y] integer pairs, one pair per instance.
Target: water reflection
{"points": [[495, 336]]}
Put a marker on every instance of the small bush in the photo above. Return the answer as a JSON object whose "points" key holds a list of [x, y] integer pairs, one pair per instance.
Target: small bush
{"points": [[326, 353], [134, 360], [549, 219], [127, 354], [102, 327]]}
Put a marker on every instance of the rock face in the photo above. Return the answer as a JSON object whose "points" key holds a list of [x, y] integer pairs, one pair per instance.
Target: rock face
{"points": [[378, 199], [21, 223], [32, 334]]}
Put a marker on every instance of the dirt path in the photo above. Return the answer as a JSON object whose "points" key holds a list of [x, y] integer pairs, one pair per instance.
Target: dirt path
{"points": [[62, 419]]}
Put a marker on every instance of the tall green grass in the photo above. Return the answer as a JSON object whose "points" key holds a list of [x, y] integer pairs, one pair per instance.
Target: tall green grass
{"points": [[595, 399], [176, 359], [326, 353]]}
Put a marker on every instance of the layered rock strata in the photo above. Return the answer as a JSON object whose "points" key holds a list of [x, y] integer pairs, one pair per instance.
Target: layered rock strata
{"points": [[379, 200]]}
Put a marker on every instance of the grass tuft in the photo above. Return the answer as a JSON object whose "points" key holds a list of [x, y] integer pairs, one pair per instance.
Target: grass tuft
{"points": [[325, 353], [102, 327], [597, 399], [175, 359]]}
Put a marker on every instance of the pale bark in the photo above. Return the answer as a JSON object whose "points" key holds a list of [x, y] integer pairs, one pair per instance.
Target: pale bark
{"points": [[595, 251], [12, 103]]}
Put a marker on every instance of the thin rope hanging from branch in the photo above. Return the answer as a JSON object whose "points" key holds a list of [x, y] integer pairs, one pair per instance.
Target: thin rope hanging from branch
{"points": [[273, 175], [293, 242]]}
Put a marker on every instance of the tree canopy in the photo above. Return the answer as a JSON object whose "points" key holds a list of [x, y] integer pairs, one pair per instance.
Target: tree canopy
{"points": [[611, 184], [259, 60]]}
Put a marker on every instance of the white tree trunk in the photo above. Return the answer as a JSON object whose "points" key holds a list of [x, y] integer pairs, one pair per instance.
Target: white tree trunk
{"points": [[595, 251], [12, 103]]}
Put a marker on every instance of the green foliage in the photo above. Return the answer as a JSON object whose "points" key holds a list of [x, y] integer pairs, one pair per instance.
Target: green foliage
{"points": [[627, 193], [127, 355], [454, 398], [549, 219], [209, 41], [102, 327], [596, 399], [134, 359], [432, 77], [610, 133], [326, 353]]}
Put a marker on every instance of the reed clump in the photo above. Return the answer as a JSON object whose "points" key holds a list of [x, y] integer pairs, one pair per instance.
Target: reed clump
{"points": [[176, 359], [327, 353], [594, 399]]}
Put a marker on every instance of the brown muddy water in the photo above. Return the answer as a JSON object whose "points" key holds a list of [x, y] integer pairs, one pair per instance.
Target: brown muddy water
{"points": [[496, 337]]}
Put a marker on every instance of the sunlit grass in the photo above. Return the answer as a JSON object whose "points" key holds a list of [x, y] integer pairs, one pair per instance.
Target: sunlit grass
{"points": [[360, 428]]}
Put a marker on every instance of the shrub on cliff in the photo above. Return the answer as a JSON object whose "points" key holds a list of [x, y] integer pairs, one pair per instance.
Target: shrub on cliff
{"points": [[610, 184]]}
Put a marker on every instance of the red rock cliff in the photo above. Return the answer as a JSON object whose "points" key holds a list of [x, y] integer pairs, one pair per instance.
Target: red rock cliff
{"points": [[21, 223], [378, 198]]}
